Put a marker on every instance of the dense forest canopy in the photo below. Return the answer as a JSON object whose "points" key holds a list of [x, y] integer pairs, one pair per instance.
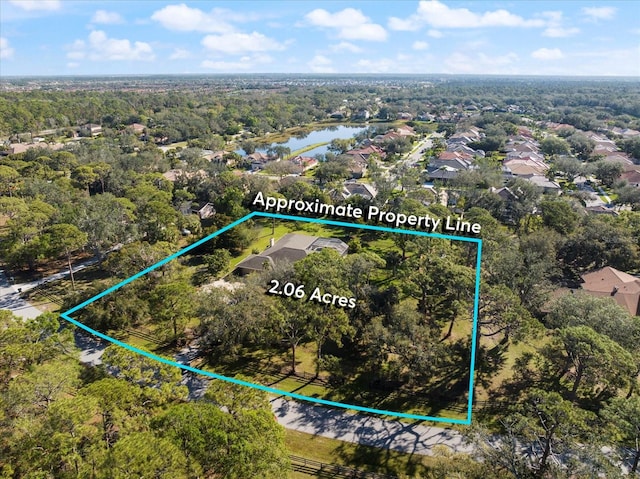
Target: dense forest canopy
{"points": [[194, 107]]}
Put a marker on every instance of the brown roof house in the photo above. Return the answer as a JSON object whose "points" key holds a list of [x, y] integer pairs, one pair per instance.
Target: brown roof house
{"points": [[291, 247], [609, 282]]}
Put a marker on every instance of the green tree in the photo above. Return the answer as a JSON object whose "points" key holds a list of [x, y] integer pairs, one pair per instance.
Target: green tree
{"points": [[501, 312], [325, 271], [160, 382], [598, 243], [608, 172], [341, 146], [603, 315], [84, 176], [117, 404], [65, 239], [135, 257], [589, 359], [143, 454], [8, 180], [581, 145], [172, 302], [217, 261], [552, 145], [27, 344], [569, 167], [248, 146], [623, 415], [157, 222], [107, 221], [231, 319], [559, 215], [556, 424]]}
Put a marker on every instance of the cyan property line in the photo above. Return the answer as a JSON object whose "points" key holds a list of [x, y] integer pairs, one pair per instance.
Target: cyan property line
{"points": [[67, 316], [474, 332], [366, 227]]}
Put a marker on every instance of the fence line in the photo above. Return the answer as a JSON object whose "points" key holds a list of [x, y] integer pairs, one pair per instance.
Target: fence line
{"points": [[317, 468]]}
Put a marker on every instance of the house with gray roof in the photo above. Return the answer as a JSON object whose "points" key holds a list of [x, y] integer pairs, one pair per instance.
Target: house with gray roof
{"points": [[291, 247]]}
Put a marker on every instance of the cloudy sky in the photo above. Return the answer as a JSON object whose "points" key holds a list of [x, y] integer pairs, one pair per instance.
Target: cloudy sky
{"points": [[66, 37]]}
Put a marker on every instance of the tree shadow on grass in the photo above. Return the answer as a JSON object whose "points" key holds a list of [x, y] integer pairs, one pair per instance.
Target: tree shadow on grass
{"points": [[381, 461]]}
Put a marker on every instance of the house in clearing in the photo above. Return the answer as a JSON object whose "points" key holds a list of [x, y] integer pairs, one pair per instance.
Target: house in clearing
{"points": [[610, 282], [291, 247]]}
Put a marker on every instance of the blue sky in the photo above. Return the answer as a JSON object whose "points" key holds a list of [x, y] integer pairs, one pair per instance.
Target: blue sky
{"points": [[60, 37]]}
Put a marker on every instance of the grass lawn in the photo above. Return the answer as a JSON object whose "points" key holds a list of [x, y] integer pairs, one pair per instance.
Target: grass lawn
{"points": [[365, 458], [300, 151], [51, 295]]}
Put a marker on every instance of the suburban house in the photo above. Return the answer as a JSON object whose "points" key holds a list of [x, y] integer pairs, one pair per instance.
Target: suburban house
{"points": [[505, 193], [601, 210], [352, 188], [632, 176], [364, 153], [91, 129], [137, 128], [258, 160], [453, 159], [15, 148], [526, 167], [204, 210], [444, 174], [610, 282], [215, 156], [304, 162], [521, 155], [546, 184], [177, 173], [625, 132], [291, 247]]}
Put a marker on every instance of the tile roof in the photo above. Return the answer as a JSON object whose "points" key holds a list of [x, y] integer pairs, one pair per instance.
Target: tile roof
{"points": [[622, 287]]}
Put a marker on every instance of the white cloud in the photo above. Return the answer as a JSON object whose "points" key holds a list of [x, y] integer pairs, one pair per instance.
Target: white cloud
{"points": [[435, 33], [237, 43], [555, 26], [244, 63], [226, 66], [102, 48], [6, 51], [186, 19], [560, 32], [37, 5], [459, 62], [345, 47], [438, 15], [107, 18], [381, 65], [599, 13], [73, 65], [547, 54], [180, 54], [419, 45], [321, 64], [610, 62], [351, 24]]}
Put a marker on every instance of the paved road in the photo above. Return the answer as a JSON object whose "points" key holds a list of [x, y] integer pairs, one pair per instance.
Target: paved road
{"points": [[415, 156], [10, 299], [367, 430]]}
